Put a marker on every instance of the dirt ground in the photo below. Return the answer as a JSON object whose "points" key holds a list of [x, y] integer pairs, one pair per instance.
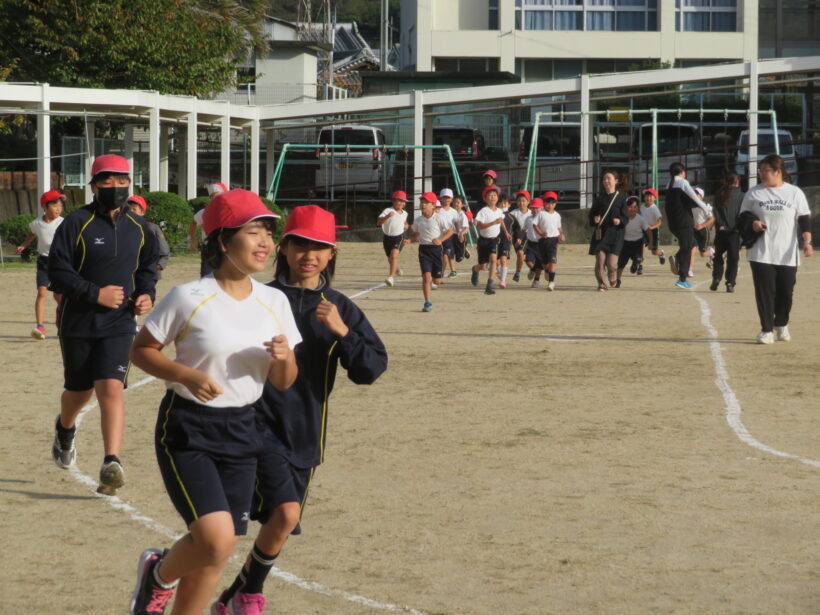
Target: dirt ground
{"points": [[532, 452]]}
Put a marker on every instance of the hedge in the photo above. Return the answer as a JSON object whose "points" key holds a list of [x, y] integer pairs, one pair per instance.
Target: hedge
{"points": [[14, 230], [172, 214]]}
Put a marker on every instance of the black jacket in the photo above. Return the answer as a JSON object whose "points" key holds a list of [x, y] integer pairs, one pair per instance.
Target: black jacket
{"points": [[90, 251], [726, 215], [680, 199], [298, 415], [618, 210]]}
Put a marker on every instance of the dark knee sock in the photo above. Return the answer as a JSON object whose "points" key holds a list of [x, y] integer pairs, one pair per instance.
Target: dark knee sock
{"points": [[551, 276], [260, 565]]}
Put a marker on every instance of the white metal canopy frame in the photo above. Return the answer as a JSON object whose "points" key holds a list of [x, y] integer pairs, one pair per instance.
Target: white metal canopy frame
{"points": [[157, 111]]}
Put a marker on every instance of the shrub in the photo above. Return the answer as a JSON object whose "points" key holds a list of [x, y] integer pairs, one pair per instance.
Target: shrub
{"points": [[172, 214], [15, 229], [199, 203], [280, 223]]}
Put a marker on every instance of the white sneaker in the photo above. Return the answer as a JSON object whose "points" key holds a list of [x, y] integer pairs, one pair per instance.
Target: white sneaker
{"points": [[765, 337], [398, 272], [389, 280], [112, 477], [782, 333], [551, 286], [535, 283], [691, 274], [433, 285]]}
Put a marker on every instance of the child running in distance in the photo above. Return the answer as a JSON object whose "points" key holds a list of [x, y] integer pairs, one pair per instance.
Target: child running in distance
{"points": [[449, 214], [532, 255], [139, 206], [231, 335], [430, 231], [652, 215], [393, 221], [461, 226], [519, 218], [43, 229], [634, 238], [548, 225], [703, 219], [505, 245], [293, 423], [490, 224]]}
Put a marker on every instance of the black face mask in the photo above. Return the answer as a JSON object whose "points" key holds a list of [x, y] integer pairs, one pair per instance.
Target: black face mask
{"points": [[113, 197]]}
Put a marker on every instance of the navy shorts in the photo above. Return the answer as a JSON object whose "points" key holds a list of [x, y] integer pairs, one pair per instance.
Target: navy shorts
{"points": [[630, 250], [278, 481], [430, 260], [503, 247], [486, 247], [448, 247], [702, 238], [87, 359], [532, 254], [207, 458], [42, 271], [390, 243], [654, 238], [548, 249], [458, 249]]}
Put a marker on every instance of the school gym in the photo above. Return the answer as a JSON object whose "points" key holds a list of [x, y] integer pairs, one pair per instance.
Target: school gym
{"points": [[529, 452]]}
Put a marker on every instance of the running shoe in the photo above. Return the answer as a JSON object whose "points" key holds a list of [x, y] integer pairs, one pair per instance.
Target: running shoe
{"points": [[474, 278], [765, 337], [517, 276], [551, 286], [38, 332], [662, 259], [240, 604], [714, 285], [389, 280], [602, 287], [428, 306], [691, 274], [489, 290], [62, 450], [531, 274], [502, 284], [617, 284], [673, 264], [148, 597], [453, 274], [398, 271], [466, 253], [433, 285], [782, 333], [634, 268], [640, 270], [112, 477], [535, 283], [730, 287], [683, 284], [710, 262]]}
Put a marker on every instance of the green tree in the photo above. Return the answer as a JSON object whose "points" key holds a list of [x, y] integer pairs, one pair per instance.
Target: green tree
{"points": [[172, 46]]}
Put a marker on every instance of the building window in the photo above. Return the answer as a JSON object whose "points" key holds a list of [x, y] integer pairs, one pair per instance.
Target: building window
{"points": [[590, 15], [706, 15], [466, 65], [493, 16]]}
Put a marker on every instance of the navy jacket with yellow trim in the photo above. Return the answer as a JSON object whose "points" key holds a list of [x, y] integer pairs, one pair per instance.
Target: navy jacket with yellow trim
{"points": [[298, 416], [90, 250]]}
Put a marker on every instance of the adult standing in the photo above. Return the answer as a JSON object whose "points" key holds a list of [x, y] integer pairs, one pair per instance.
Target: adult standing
{"points": [[727, 235], [781, 211], [680, 199], [607, 217]]}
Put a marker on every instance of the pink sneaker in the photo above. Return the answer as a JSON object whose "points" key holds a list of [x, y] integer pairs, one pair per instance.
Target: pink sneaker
{"points": [[240, 604], [502, 285]]}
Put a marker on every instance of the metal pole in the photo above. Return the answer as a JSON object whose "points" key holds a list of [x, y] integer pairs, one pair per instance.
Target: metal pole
{"points": [[655, 149], [384, 36]]}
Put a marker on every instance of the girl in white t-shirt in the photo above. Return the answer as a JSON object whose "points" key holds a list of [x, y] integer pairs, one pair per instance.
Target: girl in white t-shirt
{"points": [[43, 229], [777, 211], [490, 224], [520, 216], [650, 212], [548, 226], [231, 334], [393, 221]]}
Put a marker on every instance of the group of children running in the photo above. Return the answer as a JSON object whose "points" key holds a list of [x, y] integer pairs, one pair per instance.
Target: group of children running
{"points": [[242, 426]]}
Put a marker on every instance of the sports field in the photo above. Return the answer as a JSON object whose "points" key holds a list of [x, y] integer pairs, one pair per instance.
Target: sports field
{"points": [[530, 452]]}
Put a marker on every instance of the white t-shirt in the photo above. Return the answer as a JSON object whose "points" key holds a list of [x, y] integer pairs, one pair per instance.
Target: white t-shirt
{"points": [[394, 225], [45, 232], [778, 208], [429, 228], [529, 228], [549, 223], [198, 219], [488, 215], [651, 214], [449, 215], [461, 221], [635, 228], [520, 217], [216, 334], [699, 215]]}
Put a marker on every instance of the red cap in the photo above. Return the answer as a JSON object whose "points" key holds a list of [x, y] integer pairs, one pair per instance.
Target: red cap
{"points": [[135, 198], [313, 223], [233, 209], [400, 195], [51, 195], [495, 189], [523, 193], [491, 173], [430, 197], [215, 188], [469, 214], [109, 163], [651, 191], [537, 203], [550, 195]]}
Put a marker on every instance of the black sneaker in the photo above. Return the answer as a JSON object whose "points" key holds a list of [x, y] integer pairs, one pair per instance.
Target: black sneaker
{"points": [[62, 449], [714, 285], [148, 597], [662, 258], [474, 278], [517, 276], [640, 270], [489, 290], [634, 268], [730, 287], [466, 253], [617, 284]]}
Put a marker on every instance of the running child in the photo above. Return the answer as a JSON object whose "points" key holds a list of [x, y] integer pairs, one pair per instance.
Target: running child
{"points": [[231, 335], [650, 212], [393, 221], [634, 238], [519, 218], [490, 224], [488, 178], [103, 263], [43, 229], [139, 206], [430, 231], [461, 227], [293, 423], [532, 255], [198, 242], [505, 243], [548, 226], [450, 214], [703, 219]]}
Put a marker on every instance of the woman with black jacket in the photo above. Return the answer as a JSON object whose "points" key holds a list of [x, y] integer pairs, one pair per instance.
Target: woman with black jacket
{"points": [[727, 237], [607, 217]]}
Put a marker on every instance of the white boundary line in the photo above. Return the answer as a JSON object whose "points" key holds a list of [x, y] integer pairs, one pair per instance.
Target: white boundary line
{"points": [[733, 408], [288, 577]]}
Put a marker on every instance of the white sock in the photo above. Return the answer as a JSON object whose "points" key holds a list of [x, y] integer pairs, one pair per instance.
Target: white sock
{"points": [[503, 274]]}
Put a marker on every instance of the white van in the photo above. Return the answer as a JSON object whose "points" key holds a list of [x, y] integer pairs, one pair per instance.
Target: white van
{"points": [[677, 142], [765, 146], [360, 169]]}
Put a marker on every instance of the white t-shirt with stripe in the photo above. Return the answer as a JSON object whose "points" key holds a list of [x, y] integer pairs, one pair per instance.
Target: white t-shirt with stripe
{"points": [[223, 337]]}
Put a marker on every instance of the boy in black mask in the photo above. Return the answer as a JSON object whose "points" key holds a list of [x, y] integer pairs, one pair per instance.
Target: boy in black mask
{"points": [[103, 261]]}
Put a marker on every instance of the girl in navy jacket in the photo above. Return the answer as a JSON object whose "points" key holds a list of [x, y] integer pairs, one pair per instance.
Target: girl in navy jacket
{"points": [[293, 422]]}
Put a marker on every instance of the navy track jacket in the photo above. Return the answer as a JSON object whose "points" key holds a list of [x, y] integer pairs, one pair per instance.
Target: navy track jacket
{"points": [[298, 415], [90, 251]]}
